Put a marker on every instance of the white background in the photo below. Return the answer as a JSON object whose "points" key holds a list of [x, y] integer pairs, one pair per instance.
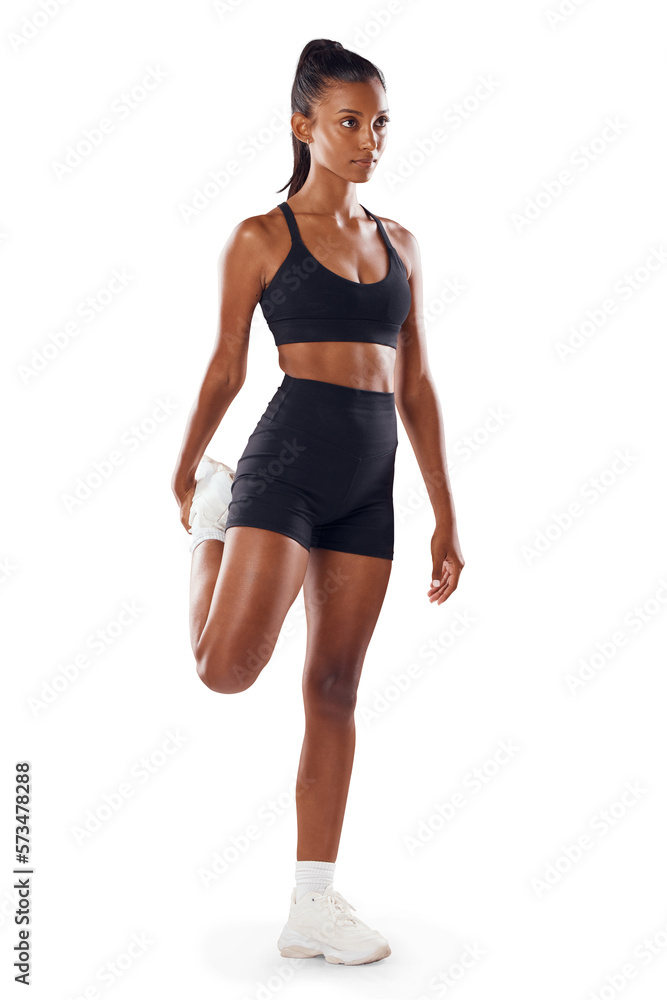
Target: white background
{"points": [[540, 593]]}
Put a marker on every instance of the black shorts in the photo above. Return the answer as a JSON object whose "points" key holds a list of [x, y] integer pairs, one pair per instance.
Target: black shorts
{"points": [[319, 467]]}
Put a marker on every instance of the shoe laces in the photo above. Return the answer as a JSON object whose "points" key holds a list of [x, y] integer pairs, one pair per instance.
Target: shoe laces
{"points": [[339, 908]]}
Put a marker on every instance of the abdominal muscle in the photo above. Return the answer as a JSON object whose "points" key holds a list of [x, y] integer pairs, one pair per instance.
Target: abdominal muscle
{"points": [[358, 365]]}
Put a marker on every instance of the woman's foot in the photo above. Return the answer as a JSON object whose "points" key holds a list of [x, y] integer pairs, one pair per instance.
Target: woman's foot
{"points": [[212, 496], [321, 924]]}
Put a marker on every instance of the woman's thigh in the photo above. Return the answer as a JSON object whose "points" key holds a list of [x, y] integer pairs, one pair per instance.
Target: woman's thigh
{"points": [[260, 575], [343, 596]]}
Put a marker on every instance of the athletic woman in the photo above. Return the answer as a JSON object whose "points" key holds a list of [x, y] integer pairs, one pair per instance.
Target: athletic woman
{"points": [[310, 502]]}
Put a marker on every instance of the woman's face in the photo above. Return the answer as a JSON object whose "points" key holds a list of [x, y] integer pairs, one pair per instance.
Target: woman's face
{"points": [[350, 126]]}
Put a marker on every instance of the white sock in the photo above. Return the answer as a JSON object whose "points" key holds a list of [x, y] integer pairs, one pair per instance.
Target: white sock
{"points": [[204, 534], [313, 876]]}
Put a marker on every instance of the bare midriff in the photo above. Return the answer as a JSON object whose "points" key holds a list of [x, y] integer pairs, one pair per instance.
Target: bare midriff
{"points": [[358, 365]]}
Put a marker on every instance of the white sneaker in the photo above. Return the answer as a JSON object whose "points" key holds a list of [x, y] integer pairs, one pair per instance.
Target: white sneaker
{"points": [[321, 924], [213, 494]]}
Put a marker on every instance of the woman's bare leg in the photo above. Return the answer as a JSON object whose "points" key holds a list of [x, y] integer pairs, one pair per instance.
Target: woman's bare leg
{"points": [[204, 571], [343, 595], [241, 591]]}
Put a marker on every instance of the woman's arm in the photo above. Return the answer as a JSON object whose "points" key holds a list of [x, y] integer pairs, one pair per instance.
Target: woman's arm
{"points": [[240, 287], [419, 409]]}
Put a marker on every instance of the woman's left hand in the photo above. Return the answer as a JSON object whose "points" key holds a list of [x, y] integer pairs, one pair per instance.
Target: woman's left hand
{"points": [[447, 565]]}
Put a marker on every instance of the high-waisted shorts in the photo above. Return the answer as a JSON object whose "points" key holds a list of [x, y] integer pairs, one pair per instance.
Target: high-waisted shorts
{"points": [[319, 467]]}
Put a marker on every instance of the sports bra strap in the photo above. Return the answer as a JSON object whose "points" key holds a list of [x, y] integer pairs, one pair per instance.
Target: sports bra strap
{"points": [[296, 235], [381, 228], [291, 222]]}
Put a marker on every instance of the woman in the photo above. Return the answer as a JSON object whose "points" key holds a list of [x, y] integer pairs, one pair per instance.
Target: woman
{"points": [[310, 503]]}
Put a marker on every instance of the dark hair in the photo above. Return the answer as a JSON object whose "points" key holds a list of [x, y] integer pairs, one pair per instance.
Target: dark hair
{"points": [[321, 63]]}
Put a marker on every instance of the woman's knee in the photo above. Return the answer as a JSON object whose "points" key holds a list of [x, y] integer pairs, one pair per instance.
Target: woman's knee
{"points": [[332, 692], [226, 668], [217, 677]]}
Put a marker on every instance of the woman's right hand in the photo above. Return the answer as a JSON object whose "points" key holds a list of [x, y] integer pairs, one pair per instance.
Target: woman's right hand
{"points": [[184, 490]]}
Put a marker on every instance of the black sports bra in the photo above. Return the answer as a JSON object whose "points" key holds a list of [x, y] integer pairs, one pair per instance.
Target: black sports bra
{"points": [[306, 302]]}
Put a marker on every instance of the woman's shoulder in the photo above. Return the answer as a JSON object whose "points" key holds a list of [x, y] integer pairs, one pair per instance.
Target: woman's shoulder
{"points": [[256, 231], [395, 229], [258, 224], [403, 240]]}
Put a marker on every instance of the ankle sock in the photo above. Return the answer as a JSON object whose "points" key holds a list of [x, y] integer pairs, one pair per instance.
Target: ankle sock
{"points": [[202, 536], [313, 876]]}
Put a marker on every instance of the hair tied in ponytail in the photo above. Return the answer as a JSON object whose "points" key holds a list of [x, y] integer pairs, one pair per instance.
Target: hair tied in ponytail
{"points": [[322, 63]]}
